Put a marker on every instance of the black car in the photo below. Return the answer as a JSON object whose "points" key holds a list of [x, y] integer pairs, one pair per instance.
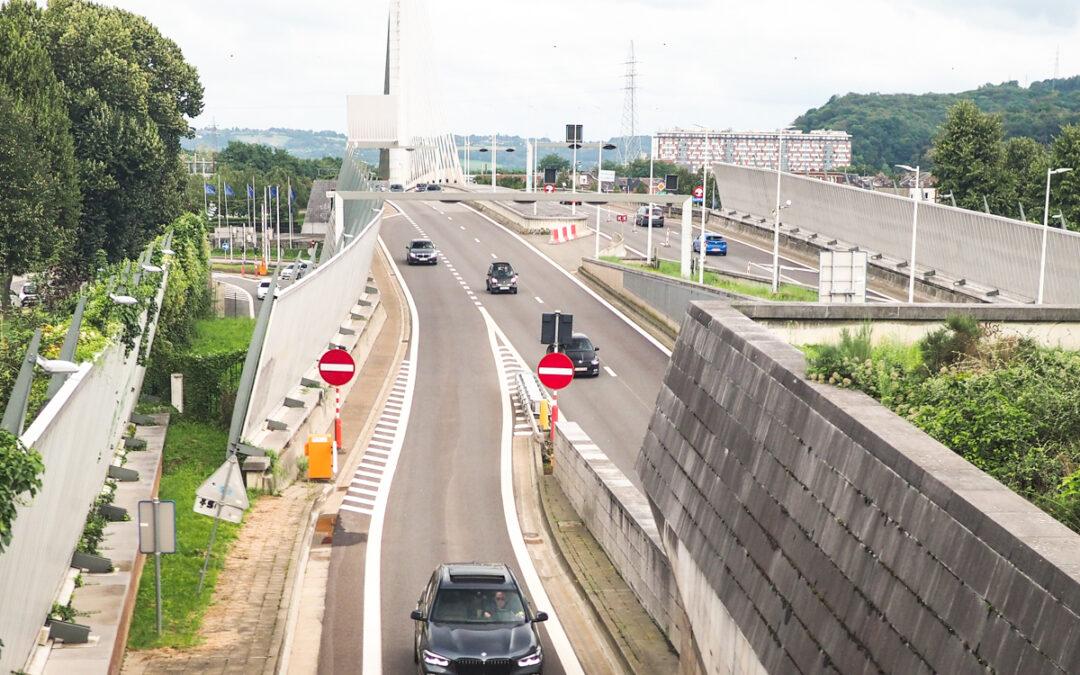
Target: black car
{"points": [[421, 252], [582, 352], [434, 187], [641, 219], [421, 187], [473, 618], [501, 278], [397, 187]]}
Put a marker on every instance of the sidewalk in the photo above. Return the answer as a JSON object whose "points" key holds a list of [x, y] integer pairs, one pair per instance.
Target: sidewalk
{"points": [[244, 630]]}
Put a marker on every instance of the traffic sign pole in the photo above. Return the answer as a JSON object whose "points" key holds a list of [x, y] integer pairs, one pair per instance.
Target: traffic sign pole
{"points": [[337, 368], [554, 414], [157, 564], [337, 429]]}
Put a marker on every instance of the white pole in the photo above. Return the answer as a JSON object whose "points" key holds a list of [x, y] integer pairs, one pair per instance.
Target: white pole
{"points": [[686, 235], [232, 240], [277, 236], [290, 211], [494, 159], [648, 236], [776, 217], [1046, 227], [599, 163], [573, 179], [219, 204], [914, 236], [704, 191]]}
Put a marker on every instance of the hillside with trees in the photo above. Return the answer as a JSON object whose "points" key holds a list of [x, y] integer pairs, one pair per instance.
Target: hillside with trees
{"points": [[889, 129]]}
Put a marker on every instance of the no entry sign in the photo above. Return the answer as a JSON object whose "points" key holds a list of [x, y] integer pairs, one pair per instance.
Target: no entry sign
{"points": [[556, 370], [336, 367], [699, 192], [549, 188]]}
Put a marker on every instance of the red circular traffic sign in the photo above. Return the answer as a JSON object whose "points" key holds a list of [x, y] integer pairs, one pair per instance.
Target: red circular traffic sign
{"points": [[699, 192], [336, 367], [549, 188], [556, 370]]}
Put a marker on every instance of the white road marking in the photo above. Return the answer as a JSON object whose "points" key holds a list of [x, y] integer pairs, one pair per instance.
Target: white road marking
{"points": [[449, 218], [537, 298], [462, 227], [476, 240], [494, 257], [372, 622], [610, 371], [555, 630]]}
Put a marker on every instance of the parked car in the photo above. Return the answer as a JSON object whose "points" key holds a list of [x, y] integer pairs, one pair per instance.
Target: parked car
{"points": [[501, 278], [28, 295], [642, 217], [714, 245], [397, 187], [421, 252], [582, 352], [474, 618]]}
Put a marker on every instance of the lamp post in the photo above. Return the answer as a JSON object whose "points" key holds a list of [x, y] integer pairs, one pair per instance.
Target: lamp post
{"points": [[704, 193], [776, 217], [599, 165], [494, 162], [648, 236], [914, 229], [1046, 227]]}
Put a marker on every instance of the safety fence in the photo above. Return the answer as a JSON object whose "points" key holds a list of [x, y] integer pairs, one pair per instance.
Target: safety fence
{"points": [[76, 433], [994, 251]]}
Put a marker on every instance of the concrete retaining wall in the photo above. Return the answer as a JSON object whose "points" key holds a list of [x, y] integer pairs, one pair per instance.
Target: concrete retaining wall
{"points": [[77, 433], [618, 516], [525, 224], [837, 535]]}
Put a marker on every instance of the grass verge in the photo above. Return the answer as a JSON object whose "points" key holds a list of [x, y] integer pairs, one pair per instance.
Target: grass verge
{"points": [[786, 293], [213, 336], [192, 451]]}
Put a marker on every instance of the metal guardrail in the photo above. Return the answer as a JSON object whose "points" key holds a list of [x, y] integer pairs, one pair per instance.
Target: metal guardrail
{"points": [[530, 393]]}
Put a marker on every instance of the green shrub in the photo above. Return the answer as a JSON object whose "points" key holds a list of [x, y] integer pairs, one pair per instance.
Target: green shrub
{"points": [[20, 479], [959, 337]]}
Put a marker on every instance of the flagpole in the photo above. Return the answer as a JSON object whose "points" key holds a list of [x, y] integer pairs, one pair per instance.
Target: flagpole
{"points": [[277, 197], [228, 224], [243, 227], [219, 204], [290, 213]]}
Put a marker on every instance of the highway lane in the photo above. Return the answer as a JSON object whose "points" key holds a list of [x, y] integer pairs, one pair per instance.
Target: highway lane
{"points": [[614, 408], [445, 503]]}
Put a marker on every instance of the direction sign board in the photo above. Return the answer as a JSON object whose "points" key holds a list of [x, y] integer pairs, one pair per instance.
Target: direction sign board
{"points": [[157, 531], [555, 370], [337, 367], [225, 487], [549, 188]]}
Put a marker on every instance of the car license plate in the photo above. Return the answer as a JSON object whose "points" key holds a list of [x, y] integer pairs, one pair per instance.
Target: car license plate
{"points": [[504, 288], [580, 369]]}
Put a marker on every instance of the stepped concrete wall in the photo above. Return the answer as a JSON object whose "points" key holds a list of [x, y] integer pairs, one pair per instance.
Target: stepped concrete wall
{"points": [[836, 535]]}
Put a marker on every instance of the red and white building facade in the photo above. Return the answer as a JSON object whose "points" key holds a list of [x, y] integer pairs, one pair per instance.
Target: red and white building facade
{"points": [[820, 151]]}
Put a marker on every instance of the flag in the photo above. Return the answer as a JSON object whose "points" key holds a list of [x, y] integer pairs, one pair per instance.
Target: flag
{"points": [[273, 191], [228, 190], [292, 195], [251, 192], [209, 189]]}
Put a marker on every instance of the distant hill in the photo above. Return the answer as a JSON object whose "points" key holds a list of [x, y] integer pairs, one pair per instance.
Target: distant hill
{"points": [[317, 144], [890, 129]]}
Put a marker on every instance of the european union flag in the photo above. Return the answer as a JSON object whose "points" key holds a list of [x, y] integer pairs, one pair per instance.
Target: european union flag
{"points": [[209, 189], [273, 191], [251, 192], [292, 195], [228, 190]]}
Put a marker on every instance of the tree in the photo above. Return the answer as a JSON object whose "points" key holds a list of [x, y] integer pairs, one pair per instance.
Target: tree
{"points": [[38, 219], [553, 161], [968, 156], [1065, 152], [129, 94], [1023, 177]]}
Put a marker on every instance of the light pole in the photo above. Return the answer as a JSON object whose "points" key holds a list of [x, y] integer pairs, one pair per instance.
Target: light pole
{"points": [[648, 236], [1046, 227], [599, 167], [914, 229], [704, 192], [494, 162], [776, 215]]}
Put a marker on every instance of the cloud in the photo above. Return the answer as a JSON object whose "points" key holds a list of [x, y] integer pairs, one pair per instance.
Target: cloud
{"points": [[1059, 13]]}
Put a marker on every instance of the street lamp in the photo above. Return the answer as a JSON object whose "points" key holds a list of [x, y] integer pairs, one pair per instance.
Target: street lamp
{"points": [[776, 220], [57, 366], [494, 158], [1046, 227], [599, 184], [914, 228]]}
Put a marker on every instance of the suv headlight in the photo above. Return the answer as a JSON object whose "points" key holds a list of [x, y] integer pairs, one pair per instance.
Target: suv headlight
{"points": [[434, 659], [533, 659], [596, 361]]}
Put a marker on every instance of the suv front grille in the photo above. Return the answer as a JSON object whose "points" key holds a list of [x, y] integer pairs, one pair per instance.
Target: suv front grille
{"points": [[479, 667]]}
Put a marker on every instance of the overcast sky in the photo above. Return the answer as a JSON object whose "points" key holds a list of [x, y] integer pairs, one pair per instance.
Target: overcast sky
{"points": [[525, 67]]}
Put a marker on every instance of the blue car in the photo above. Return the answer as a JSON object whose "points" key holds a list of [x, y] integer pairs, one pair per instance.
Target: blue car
{"points": [[714, 245]]}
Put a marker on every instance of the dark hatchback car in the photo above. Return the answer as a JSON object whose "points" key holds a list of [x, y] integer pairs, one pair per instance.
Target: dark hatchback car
{"points": [[421, 252], [472, 619], [582, 352], [501, 278]]}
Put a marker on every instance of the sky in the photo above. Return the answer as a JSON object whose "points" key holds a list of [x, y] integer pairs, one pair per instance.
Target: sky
{"points": [[527, 68]]}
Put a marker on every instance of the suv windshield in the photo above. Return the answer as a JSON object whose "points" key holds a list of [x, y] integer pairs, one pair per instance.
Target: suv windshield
{"points": [[456, 605], [422, 244]]}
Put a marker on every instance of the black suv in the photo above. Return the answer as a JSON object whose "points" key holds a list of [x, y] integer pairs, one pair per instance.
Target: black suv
{"points": [[421, 252], [582, 352], [501, 278], [472, 618]]}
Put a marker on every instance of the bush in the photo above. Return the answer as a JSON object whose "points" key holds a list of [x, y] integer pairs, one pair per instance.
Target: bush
{"points": [[958, 338], [20, 479]]}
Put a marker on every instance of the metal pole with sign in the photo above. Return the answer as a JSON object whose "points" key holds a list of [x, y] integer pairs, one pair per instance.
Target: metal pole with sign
{"points": [[157, 535]]}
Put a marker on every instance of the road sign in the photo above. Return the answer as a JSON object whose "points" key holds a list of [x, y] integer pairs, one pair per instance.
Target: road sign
{"points": [[699, 192], [224, 489], [555, 324], [556, 370], [620, 217], [549, 188], [672, 181], [337, 367], [607, 176], [661, 186], [157, 531]]}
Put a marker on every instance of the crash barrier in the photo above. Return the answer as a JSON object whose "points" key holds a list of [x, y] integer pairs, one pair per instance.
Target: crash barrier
{"points": [[563, 234], [952, 243], [811, 512], [77, 433]]}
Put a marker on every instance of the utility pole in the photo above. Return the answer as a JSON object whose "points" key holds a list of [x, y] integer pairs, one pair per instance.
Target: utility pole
{"points": [[631, 146]]}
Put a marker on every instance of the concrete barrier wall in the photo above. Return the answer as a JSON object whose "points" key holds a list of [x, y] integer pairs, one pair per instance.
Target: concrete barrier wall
{"points": [[76, 433], [837, 535], [305, 318], [957, 242], [618, 516]]}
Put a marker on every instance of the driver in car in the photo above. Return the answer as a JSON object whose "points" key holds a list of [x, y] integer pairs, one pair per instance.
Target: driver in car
{"points": [[499, 611]]}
